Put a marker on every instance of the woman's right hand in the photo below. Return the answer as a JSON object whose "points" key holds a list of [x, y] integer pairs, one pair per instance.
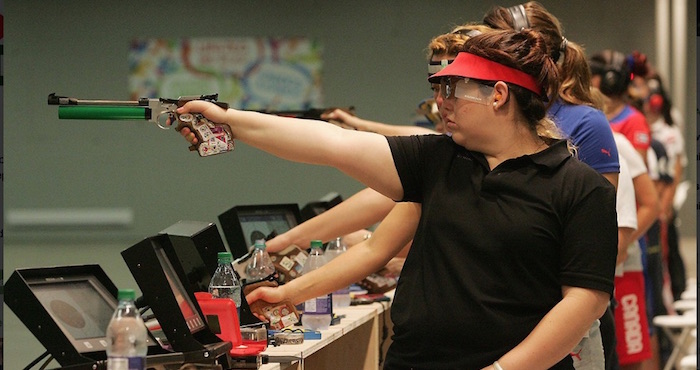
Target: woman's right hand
{"points": [[212, 112], [267, 294]]}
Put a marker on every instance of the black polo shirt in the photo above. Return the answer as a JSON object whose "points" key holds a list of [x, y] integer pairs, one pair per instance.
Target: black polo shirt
{"points": [[493, 249]]}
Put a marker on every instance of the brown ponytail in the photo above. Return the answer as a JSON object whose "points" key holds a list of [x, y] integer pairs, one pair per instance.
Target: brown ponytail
{"points": [[574, 73]]}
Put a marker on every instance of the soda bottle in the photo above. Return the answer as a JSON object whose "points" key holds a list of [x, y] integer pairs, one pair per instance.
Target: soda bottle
{"points": [[260, 265], [318, 311], [126, 335], [224, 283], [336, 247]]}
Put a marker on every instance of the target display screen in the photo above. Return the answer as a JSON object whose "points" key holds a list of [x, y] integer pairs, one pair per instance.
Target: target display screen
{"points": [[77, 307], [259, 225], [243, 225]]}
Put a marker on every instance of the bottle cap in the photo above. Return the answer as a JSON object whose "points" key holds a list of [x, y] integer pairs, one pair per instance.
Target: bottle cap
{"points": [[225, 257], [337, 242], [260, 243], [316, 244], [126, 294]]}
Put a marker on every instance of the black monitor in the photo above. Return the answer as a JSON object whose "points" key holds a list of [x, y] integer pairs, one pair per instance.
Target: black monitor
{"points": [[166, 292], [67, 308], [195, 246], [313, 209], [243, 225]]}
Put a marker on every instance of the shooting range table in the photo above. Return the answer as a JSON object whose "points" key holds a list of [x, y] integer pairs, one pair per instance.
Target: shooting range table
{"points": [[355, 343]]}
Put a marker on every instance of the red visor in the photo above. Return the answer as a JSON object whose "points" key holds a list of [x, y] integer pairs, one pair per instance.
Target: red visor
{"points": [[476, 67]]}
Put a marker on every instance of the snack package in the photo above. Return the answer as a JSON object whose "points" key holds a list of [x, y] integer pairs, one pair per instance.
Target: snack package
{"points": [[379, 282], [289, 263], [279, 315]]}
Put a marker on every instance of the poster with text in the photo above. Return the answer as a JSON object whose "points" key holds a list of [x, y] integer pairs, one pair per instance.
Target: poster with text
{"points": [[247, 73]]}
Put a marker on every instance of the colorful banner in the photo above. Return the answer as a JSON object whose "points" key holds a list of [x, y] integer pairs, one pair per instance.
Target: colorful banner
{"points": [[247, 73]]}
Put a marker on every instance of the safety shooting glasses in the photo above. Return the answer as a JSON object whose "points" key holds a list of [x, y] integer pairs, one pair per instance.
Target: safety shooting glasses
{"points": [[466, 89]]}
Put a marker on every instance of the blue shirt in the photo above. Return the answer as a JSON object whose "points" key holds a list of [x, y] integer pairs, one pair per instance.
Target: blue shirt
{"points": [[590, 132]]}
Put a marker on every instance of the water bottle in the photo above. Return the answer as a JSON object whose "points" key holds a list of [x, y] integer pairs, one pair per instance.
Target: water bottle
{"points": [[336, 247], [260, 265], [224, 283], [318, 311], [126, 335]]}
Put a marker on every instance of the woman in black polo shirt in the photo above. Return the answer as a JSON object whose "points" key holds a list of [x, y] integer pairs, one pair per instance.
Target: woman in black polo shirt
{"points": [[514, 248]]}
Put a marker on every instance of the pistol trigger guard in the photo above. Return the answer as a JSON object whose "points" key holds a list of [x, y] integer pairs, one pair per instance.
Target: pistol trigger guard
{"points": [[170, 117]]}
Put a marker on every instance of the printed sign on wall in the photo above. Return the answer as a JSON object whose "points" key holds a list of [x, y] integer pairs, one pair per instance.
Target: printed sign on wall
{"points": [[247, 73]]}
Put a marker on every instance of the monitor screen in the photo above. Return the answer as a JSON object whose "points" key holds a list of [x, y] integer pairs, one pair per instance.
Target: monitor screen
{"points": [[264, 225], [189, 311], [67, 308], [243, 225], [77, 306]]}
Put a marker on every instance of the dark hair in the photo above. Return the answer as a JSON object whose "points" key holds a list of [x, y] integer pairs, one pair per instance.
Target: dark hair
{"points": [[574, 72], [525, 51], [614, 69]]}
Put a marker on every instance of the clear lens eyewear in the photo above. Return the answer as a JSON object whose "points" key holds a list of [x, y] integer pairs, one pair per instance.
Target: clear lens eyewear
{"points": [[466, 89]]}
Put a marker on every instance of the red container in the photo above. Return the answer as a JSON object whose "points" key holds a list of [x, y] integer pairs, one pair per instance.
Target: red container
{"points": [[222, 318]]}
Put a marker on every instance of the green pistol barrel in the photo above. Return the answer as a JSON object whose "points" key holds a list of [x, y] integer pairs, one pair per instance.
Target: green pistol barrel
{"points": [[103, 112]]}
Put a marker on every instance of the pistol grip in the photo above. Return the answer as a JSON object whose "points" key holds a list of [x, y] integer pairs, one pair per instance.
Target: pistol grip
{"points": [[211, 138]]}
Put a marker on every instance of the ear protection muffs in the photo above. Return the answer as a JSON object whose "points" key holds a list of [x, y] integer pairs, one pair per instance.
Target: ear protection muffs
{"points": [[656, 98], [656, 102], [614, 71], [520, 22]]}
